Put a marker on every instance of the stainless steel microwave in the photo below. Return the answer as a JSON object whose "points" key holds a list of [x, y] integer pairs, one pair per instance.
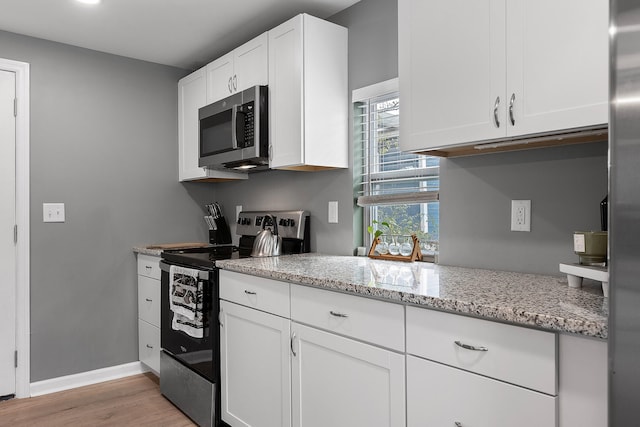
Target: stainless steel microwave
{"points": [[234, 132]]}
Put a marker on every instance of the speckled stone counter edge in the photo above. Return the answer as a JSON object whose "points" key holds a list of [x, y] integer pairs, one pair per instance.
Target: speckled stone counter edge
{"points": [[517, 317], [144, 251]]}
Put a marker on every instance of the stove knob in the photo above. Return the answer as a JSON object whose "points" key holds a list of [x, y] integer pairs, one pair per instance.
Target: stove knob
{"points": [[282, 222], [240, 221], [246, 221], [292, 222]]}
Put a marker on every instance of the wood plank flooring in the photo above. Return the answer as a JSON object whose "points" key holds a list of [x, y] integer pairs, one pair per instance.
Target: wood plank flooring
{"points": [[130, 401]]}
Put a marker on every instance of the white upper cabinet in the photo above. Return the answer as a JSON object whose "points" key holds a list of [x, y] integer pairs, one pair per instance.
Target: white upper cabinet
{"points": [[240, 69], [479, 70], [557, 64], [308, 95], [192, 95]]}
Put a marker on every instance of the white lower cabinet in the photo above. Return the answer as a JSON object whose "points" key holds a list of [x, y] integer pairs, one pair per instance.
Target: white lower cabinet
{"points": [[255, 367], [149, 311], [337, 381], [300, 356], [439, 395], [149, 345]]}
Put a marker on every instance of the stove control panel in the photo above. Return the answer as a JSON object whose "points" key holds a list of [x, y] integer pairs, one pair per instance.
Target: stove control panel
{"points": [[291, 224]]}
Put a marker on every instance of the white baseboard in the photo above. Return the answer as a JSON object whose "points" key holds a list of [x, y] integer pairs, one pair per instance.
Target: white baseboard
{"points": [[86, 378]]}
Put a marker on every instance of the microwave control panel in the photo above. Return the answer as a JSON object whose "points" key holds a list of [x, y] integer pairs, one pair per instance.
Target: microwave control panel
{"points": [[247, 125]]}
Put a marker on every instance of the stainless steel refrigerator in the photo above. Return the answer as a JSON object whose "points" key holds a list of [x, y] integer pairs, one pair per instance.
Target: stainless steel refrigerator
{"points": [[624, 214]]}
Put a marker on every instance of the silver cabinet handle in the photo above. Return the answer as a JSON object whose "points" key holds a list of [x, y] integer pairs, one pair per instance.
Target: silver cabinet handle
{"points": [[458, 424], [470, 347], [235, 82], [249, 292], [148, 267], [336, 314], [511, 102], [229, 85], [496, 120], [293, 337], [220, 318], [148, 299], [149, 346]]}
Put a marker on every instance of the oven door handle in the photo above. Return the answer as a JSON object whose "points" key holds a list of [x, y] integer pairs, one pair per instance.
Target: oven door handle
{"points": [[202, 274]]}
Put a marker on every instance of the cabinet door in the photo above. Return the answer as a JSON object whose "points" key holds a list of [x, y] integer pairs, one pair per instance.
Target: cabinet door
{"points": [[192, 94], [250, 63], [337, 381], [285, 94], [452, 72], [255, 367], [220, 78], [439, 395], [149, 345], [557, 64]]}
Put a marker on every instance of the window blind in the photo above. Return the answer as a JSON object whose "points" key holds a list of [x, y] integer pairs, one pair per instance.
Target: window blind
{"points": [[387, 176]]}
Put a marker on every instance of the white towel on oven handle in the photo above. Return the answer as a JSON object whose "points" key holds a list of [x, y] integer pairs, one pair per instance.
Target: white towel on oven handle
{"points": [[185, 292]]}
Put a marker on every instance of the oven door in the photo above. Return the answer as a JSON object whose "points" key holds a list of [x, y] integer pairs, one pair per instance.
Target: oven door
{"points": [[198, 354]]}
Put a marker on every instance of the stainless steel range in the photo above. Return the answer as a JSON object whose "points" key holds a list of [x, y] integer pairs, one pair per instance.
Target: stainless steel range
{"points": [[190, 331]]}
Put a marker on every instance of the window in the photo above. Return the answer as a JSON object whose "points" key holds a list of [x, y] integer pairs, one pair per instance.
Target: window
{"points": [[393, 186]]}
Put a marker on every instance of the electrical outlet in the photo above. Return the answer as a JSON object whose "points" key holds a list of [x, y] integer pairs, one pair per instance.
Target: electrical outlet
{"points": [[333, 212], [521, 215]]}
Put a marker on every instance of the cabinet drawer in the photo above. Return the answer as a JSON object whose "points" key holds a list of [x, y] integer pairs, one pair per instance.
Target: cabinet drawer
{"points": [[149, 345], [263, 294], [369, 320], [439, 395], [149, 300], [149, 266], [513, 354]]}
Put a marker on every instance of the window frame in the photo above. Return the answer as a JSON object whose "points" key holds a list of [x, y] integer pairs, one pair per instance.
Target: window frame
{"points": [[361, 165]]}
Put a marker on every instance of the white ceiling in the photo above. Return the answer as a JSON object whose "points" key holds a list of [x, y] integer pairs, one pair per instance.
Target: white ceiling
{"points": [[181, 33]]}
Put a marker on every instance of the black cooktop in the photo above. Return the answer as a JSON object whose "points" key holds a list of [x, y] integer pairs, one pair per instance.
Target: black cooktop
{"points": [[202, 257]]}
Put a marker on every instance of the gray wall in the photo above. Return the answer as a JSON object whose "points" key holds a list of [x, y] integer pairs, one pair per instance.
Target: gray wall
{"points": [[565, 186], [104, 142], [373, 54]]}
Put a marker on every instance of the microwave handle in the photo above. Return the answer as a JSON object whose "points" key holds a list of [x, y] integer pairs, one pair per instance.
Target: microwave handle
{"points": [[237, 124]]}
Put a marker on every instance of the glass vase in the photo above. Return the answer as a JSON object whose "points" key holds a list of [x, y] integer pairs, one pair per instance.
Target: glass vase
{"points": [[407, 246], [394, 248]]}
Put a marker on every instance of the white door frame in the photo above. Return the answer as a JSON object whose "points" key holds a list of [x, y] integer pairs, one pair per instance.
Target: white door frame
{"points": [[22, 220]]}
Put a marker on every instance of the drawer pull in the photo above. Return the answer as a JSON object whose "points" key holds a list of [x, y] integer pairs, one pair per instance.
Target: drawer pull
{"points": [[336, 314], [458, 424], [249, 292], [471, 347], [148, 299], [148, 267], [149, 346]]}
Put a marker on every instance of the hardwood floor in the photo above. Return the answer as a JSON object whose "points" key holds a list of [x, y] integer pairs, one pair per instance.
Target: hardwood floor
{"points": [[131, 401]]}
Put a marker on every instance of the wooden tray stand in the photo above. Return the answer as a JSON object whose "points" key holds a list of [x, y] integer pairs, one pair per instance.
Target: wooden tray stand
{"points": [[416, 254]]}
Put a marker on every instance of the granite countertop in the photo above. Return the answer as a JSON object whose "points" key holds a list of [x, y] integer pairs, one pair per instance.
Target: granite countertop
{"points": [[539, 301], [146, 251]]}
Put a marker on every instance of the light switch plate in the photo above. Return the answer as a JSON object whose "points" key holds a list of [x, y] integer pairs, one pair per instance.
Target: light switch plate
{"points": [[53, 212]]}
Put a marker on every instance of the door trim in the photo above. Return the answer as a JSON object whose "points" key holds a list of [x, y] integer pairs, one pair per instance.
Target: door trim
{"points": [[22, 220]]}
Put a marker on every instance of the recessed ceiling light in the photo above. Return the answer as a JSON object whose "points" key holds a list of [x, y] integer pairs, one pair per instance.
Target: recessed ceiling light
{"points": [[89, 1]]}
